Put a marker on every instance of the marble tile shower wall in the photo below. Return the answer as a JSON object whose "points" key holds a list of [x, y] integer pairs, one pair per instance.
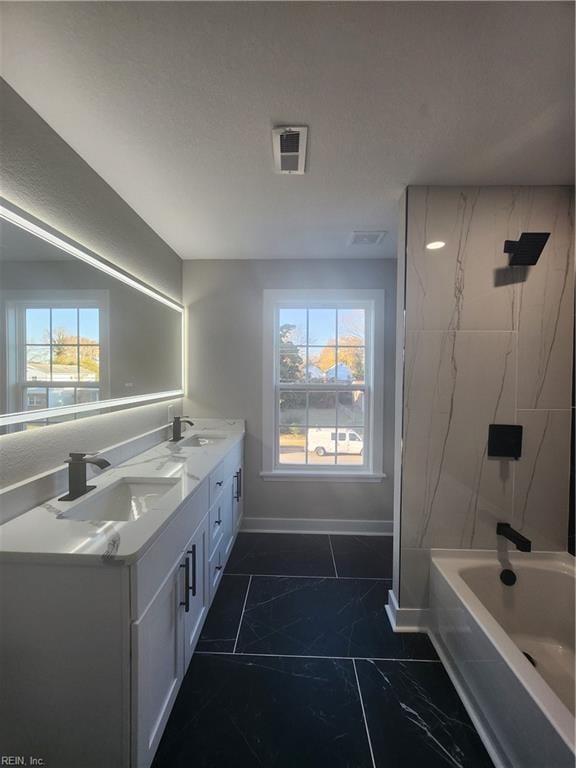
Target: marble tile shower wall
{"points": [[483, 344]]}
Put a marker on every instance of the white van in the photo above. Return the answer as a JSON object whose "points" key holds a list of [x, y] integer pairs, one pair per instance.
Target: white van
{"points": [[323, 441]]}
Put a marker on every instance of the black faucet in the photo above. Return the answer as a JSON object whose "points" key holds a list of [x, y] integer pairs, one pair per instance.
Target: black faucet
{"points": [[521, 542], [77, 474], [177, 427]]}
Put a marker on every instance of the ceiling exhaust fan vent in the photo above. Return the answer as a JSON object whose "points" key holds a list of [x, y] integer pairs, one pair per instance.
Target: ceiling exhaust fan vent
{"points": [[289, 148], [367, 238]]}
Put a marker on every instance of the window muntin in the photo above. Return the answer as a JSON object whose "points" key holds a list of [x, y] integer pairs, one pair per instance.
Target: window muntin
{"points": [[322, 364]]}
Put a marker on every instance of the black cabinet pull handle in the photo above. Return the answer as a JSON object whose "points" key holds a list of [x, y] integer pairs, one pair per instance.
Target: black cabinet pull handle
{"points": [[186, 566], [220, 483], [238, 484], [193, 553], [218, 568]]}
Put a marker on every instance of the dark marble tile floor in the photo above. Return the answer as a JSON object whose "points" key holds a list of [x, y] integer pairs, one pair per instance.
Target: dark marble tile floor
{"points": [[363, 556], [324, 617], [415, 717], [221, 626], [297, 666], [286, 554]]}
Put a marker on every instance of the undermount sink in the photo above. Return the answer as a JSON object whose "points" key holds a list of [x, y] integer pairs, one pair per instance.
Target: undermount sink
{"points": [[199, 441], [129, 498]]}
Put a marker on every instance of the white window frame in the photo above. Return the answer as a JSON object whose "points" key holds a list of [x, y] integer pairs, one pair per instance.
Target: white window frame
{"points": [[373, 302], [16, 304]]}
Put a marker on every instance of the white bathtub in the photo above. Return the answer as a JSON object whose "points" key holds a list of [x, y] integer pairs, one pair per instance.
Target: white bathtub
{"points": [[481, 628]]}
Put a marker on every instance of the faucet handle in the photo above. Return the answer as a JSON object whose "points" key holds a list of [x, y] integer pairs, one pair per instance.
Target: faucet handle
{"points": [[80, 455]]}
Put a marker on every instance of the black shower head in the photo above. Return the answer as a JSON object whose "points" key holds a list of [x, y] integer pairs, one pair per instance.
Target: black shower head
{"points": [[526, 251]]}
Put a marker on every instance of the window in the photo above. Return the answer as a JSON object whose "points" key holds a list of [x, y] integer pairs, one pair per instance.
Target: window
{"points": [[56, 348], [322, 383]]}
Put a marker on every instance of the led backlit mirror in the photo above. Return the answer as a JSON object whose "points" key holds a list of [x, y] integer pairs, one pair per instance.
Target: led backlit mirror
{"points": [[76, 336]]}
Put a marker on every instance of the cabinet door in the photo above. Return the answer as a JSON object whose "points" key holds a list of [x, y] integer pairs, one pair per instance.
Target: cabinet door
{"points": [[215, 569], [197, 589], [157, 664], [237, 502]]}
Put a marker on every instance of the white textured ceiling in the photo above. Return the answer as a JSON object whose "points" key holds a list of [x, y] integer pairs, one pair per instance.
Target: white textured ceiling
{"points": [[172, 104]]}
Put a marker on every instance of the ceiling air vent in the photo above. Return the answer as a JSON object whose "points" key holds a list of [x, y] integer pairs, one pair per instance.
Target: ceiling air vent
{"points": [[367, 238], [289, 147]]}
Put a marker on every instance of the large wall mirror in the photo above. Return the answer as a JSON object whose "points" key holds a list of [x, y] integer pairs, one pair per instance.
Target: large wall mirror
{"points": [[77, 335]]}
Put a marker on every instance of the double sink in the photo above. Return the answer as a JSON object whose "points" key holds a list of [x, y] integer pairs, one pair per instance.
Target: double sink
{"points": [[129, 498]]}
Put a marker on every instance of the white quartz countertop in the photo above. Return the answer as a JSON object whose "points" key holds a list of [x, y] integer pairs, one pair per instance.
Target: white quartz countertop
{"points": [[45, 532]]}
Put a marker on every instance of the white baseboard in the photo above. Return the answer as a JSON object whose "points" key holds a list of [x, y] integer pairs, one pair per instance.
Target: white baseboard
{"points": [[405, 619], [311, 525]]}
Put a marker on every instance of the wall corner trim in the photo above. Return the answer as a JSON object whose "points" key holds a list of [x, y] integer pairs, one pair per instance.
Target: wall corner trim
{"points": [[405, 619]]}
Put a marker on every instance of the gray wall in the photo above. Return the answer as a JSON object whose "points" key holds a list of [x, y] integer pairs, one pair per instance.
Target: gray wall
{"points": [[484, 344], [41, 174], [224, 300], [44, 176]]}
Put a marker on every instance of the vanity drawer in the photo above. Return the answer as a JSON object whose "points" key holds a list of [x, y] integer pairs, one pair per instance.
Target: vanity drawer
{"points": [[216, 568], [218, 481], [149, 572], [215, 523]]}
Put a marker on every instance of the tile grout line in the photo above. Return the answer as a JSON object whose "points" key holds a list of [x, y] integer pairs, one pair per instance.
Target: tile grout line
{"points": [[300, 576], [329, 658], [332, 553], [242, 614], [364, 713]]}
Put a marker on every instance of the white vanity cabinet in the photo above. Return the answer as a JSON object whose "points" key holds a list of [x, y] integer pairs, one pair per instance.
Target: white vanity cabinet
{"points": [[165, 629], [93, 654]]}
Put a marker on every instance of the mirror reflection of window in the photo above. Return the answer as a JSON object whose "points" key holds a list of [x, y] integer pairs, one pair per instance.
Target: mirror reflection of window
{"points": [[74, 337], [56, 351]]}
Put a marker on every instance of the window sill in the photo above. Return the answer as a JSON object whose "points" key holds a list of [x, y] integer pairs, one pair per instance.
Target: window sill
{"points": [[327, 477]]}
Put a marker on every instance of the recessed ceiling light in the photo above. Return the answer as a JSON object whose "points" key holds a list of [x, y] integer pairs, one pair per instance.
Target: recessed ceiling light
{"points": [[435, 244]]}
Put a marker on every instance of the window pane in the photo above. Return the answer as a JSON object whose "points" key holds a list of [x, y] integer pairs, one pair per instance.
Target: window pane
{"points": [[351, 327], [89, 332], [351, 450], [292, 326], [37, 363], [322, 446], [292, 407], [292, 365], [89, 363], [321, 409], [87, 395], [320, 361], [64, 363], [65, 326], [292, 445], [35, 398], [59, 397], [37, 326], [351, 408], [351, 364], [322, 327]]}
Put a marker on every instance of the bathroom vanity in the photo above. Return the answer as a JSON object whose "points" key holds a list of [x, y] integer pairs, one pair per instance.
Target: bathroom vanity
{"points": [[103, 600]]}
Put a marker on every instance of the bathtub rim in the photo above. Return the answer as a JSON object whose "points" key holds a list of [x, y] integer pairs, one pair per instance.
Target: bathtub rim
{"points": [[449, 563]]}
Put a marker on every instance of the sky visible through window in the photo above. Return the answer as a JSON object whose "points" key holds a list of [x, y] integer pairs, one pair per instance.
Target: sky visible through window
{"points": [[38, 324], [323, 329]]}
